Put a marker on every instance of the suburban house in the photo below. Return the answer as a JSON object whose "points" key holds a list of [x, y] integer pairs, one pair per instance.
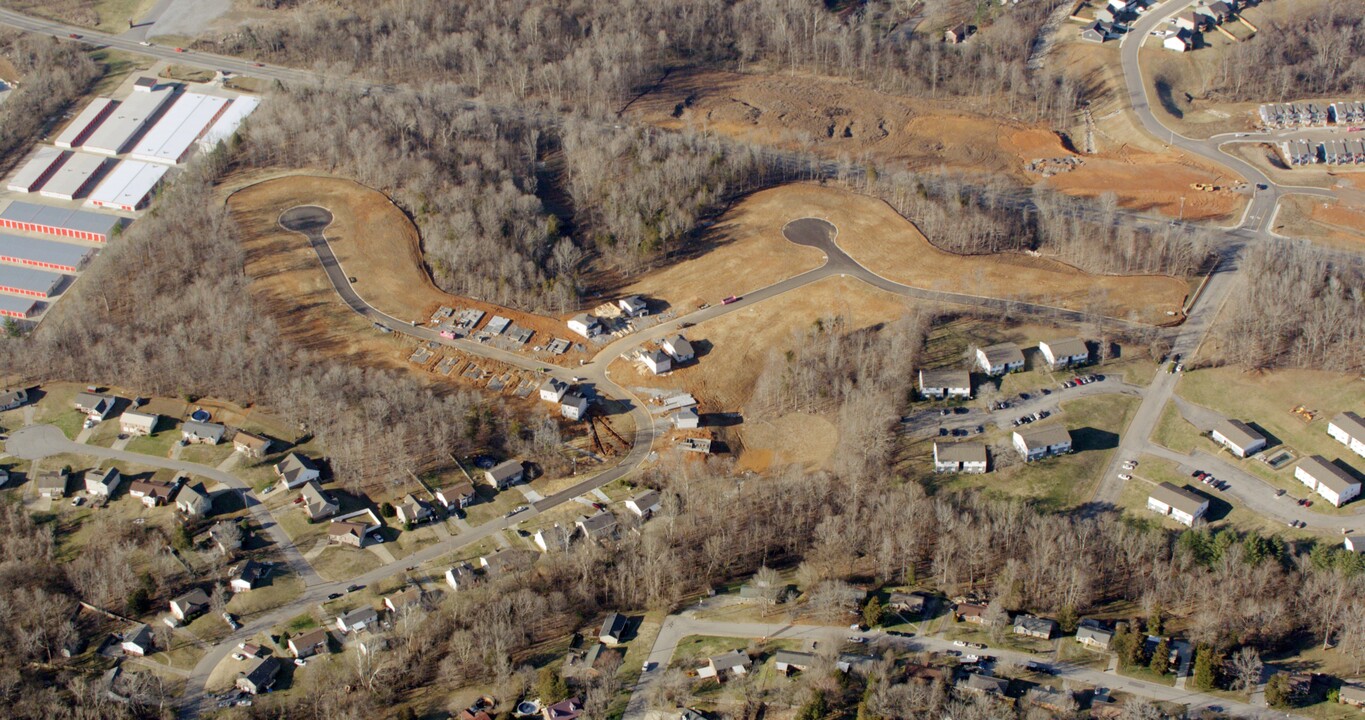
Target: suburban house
{"points": [[1354, 543], [970, 612], [599, 527], [357, 620], [132, 422], [415, 510], [504, 562], [633, 306], [1035, 627], [1100, 30], [965, 457], [1051, 699], [1351, 694], [944, 384], [1220, 11], [248, 576], [957, 33], [984, 684], [656, 360], [11, 399], [1349, 430], [1184, 506], [194, 500], [347, 533], [102, 483], [1064, 353], [1181, 41], [564, 710], [910, 604], [679, 349], [1238, 437], [585, 325], [202, 433], [735, 662], [460, 495], [137, 640], [51, 483], [573, 406], [1335, 485], [1191, 21], [152, 493], [687, 419], [505, 474], [552, 539], [787, 660], [295, 470], [310, 643], [251, 444], [190, 604], [461, 577], [1000, 359], [1091, 635], [553, 389], [1040, 441], [259, 676], [94, 405], [400, 601], [613, 629], [316, 503], [645, 504]]}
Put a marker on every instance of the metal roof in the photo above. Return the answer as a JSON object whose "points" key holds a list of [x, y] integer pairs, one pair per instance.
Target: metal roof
{"points": [[84, 121], [12, 304], [127, 120], [78, 220], [48, 251], [42, 160], [127, 184], [22, 278], [229, 121], [178, 128], [67, 182]]}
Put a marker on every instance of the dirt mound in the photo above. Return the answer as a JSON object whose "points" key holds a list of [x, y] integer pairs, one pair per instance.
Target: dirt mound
{"points": [[841, 120]]}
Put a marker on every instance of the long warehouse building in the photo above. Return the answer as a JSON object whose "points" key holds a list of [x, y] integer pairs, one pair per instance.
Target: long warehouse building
{"points": [[27, 281], [49, 220], [44, 254], [129, 119], [77, 131], [39, 168], [76, 177], [171, 138], [229, 122], [129, 186], [16, 307]]}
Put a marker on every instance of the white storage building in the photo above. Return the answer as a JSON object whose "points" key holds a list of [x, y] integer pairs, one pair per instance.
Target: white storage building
{"points": [[75, 177], [78, 130], [184, 121], [129, 186], [127, 121], [40, 166], [229, 121]]}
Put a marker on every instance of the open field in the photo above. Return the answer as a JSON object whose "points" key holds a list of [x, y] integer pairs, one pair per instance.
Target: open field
{"points": [[883, 241], [107, 15], [1329, 222], [840, 119]]}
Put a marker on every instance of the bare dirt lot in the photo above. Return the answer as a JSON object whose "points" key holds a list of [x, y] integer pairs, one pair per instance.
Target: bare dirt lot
{"points": [[885, 242], [1330, 222], [838, 119]]}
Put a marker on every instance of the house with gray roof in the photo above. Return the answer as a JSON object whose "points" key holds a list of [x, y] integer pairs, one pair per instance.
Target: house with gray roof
{"points": [[102, 483], [132, 422], [1064, 353], [11, 399], [1238, 437], [357, 620], [296, 469], [95, 405], [1092, 635], [1335, 485], [505, 474], [1348, 429], [259, 676], [599, 527], [943, 384], [1035, 442], [613, 629], [202, 433], [1000, 359], [316, 503], [1034, 626], [984, 684], [194, 500], [963, 457], [51, 483], [1182, 505], [788, 660]]}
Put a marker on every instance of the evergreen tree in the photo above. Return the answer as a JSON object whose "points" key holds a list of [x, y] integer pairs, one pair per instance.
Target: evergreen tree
{"points": [[1277, 691], [1161, 658], [1204, 672], [872, 612], [550, 686], [816, 709], [1067, 619]]}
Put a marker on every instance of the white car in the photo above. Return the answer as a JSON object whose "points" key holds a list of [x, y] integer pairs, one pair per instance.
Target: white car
{"points": [[857, 639], [649, 665], [959, 643], [1125, 476]]}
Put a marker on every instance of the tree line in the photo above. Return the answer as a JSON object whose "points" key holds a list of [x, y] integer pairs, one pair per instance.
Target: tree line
{"points": [[53, 75], [1313, 51]]}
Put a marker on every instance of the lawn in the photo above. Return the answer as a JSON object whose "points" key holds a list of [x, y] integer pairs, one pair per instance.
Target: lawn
{"points": [[971, 632], [1146, 675], [298, 624], [209, 455], [158, 444], [70, 422], [693, 650], [344, 563], [1174, 432], [283, 588]]}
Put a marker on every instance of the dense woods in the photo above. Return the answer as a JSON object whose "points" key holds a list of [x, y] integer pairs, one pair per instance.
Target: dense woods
{"points": [[591, 56], [1295, 305], [53, 75], [1315, 51]]}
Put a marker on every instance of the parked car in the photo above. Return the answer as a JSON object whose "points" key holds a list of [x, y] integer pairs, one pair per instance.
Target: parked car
{"points": [[1125, 476], [77, 501], [959, 643], [334, 596], [857, 639], [354, 588]]}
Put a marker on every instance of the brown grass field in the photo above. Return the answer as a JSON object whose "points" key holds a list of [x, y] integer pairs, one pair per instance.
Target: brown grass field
{"points": [[1324, 221], [838, 119]]}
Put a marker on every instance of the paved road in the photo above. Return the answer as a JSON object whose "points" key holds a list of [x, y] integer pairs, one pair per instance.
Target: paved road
{"points": [[40, 441], [677, 627]]}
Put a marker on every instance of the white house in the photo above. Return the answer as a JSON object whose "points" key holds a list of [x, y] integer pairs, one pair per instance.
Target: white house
{"points": [[194, 500], [1349, 430], [1181, 41], [190, 604], [788, 660], [505, 474], [1238, 437], [1000, 359], [251, 444], [52, 483], [679, 348], [964, 457], [102, 483], [1335, 485], [656, 360], [202, 433], [646, 503], [414, 510], [1064, 353], [735, 662], [132, 422], [461, 577], [573, 406], [137, 640], [248, 576], [552, 539], [633, 306], [12, 399], [553, 390], [1040, 441], [357, 620], [945, 384], [585, 325], [309, 643], [687, 419], [400, 601], [1354, 543], [95, 405], [295, 470], [1184, 506], [461, 495]]}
